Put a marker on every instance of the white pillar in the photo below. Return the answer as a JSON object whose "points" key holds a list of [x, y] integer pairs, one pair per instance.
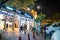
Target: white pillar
{"points": [[13, 18], [19, 22]]}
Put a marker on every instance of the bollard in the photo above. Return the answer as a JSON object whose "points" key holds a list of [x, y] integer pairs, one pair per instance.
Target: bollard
{"points": [[20, 38], [28, 37], [33, 35]]}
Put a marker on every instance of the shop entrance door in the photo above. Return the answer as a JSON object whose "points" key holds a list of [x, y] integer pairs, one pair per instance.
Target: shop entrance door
{"points": [[16, 22], [9, 23]]}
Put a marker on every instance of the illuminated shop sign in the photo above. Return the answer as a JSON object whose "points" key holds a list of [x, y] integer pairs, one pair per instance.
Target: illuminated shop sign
{"points": [[3, 13], [10, 15], [18, 11], [27, 15], [9, 8]]}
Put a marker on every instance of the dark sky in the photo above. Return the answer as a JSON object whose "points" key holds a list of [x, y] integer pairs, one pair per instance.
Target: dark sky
{"points": [[49, 6], [53, 6]]}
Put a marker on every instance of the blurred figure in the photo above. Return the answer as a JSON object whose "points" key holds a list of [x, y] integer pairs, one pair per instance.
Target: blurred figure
{"points": [[25, 28], [30, 28], [33, 29], [7, 26], [15, 25], [21, 28]]}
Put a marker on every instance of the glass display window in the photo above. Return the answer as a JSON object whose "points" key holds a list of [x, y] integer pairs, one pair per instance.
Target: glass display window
{"points": [[1, 20], [16, 21], [1, 24]]}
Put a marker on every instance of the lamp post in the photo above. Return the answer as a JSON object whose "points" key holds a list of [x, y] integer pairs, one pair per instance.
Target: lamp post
{"points": [[40, 16]]}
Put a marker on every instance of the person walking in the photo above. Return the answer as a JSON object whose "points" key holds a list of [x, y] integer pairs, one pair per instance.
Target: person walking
{"points": [[25, 28], [7, 26], [21, 28]]}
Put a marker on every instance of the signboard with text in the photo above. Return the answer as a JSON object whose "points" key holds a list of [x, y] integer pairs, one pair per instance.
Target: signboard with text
{"points": [[7, 14]]}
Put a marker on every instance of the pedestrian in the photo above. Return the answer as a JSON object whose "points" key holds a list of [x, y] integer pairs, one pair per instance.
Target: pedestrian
{"points": [[25, 28], [20, 38], [30, 28], [21, 28], [6, 25], [15, 25]]}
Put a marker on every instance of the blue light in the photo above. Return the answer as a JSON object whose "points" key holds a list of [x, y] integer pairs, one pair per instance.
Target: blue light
{"points": [[27, 15], [9, 8], [18, 11]]}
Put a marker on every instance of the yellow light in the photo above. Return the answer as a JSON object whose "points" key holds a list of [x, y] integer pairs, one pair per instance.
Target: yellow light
{"points": [[34, 13], [24, 8], [28, 9]]}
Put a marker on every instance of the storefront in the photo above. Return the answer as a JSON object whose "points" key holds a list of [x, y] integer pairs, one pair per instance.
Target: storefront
{"points": [[12, 20], [9, 20], [28, 23], [2, 16], [23, 21], [17, 22]]}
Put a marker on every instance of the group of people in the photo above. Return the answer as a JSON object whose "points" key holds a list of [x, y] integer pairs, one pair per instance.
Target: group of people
{"points": [[23, 28]]}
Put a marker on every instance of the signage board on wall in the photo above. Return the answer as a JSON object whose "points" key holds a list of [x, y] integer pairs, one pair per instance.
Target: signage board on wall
{"points": [[2, 13], [8, 14]]}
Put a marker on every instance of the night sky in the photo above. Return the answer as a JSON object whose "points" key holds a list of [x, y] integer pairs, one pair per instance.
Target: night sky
{"points": [[53, 6], [49, 7]]}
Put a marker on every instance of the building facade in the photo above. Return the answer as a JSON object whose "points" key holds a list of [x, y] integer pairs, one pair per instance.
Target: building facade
{"points": [[13, 20]]}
